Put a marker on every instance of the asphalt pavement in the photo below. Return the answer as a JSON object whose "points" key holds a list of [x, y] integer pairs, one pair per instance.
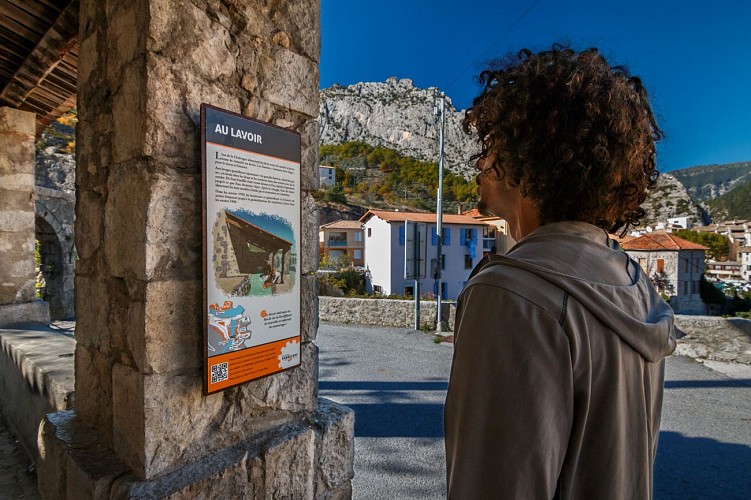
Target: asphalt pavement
{"points": [[396, 379]]}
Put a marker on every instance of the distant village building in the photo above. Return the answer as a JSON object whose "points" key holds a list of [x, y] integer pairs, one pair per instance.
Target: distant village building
{"points": [[327, 176], [675, 267], [680, 222], [495, 234], [728, 270], [745, 256], [342, 242], [737, 231], [385, 248]]}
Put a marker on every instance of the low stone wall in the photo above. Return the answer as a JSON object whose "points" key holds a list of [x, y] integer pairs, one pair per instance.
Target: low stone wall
{"points": [[384, 312], [36, 378], [714, 338], [704, 337]]}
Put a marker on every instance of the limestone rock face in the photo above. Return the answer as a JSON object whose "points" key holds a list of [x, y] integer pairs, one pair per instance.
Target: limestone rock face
{"points": [[670, 199], [398, 115]]}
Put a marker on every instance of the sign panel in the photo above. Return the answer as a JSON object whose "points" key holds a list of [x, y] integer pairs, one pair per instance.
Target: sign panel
{"points": [[415, 249], [251, 233]]}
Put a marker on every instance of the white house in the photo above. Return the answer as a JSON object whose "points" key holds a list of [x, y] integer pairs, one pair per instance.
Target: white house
{"points": [[327, 175], [682, 222], [745, 257], [674, 265], [384, 252]]}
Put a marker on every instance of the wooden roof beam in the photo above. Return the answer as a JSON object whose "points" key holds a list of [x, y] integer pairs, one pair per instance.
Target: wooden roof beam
{"points": [[51, 49]]}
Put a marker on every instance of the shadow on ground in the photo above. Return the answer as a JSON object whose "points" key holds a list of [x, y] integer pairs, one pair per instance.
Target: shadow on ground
{"points": [[701, 468]]}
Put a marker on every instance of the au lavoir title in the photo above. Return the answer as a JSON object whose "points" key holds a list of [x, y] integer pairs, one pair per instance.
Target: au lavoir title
{"points": [[241, 134]]}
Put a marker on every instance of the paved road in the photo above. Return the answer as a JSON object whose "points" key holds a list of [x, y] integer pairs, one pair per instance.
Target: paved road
{"points": [[396, 380]]}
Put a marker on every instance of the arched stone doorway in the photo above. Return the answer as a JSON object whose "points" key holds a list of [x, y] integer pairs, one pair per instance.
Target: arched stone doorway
{"points": [[53, 229], [56, 263]]}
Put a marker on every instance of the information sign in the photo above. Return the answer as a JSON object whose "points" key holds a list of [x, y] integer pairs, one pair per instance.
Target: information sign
{"points": [[415, 241], [251, 233]]}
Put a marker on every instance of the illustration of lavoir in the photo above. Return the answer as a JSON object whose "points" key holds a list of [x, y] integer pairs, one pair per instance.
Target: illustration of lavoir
{"points": [[255, 254]]}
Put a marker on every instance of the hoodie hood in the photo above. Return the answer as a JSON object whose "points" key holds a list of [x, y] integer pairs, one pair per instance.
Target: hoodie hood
{"points": [[584, 261]]}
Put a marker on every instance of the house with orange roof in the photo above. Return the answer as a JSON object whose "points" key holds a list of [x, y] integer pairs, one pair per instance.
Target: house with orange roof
{"points": [[342, 242], [674, 265], [385, 252], [495, 235]]}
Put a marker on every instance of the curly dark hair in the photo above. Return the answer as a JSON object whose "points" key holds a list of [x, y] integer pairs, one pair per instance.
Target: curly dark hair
{"points": [[571, 132]]}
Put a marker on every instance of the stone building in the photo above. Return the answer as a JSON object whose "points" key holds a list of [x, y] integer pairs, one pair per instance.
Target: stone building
{"points": [[141, 426], [674, 265]]}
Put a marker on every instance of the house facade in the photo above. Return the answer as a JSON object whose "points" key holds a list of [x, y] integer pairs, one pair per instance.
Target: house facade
{"points": [[726, 270], [495, 235], [745, 256], [385, 252], [675, 267], [327, 176], [342, 242]]}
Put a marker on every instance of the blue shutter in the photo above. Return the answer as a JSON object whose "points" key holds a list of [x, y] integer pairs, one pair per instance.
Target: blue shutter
{"points": [[433, 236], [401, 235], [446, 236]]}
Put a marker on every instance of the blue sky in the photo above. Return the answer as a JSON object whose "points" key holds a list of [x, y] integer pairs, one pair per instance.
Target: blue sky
{"points": [[693, 55]]}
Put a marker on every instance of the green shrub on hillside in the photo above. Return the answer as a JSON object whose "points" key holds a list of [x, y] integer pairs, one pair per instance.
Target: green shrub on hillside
{"points": [[383, 174]]}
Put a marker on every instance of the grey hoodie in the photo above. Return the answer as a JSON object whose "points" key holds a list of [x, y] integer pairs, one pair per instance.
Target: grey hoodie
{"points": [[556, 384]]}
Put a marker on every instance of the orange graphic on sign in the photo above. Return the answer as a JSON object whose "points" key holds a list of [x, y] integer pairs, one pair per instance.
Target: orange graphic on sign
{"points": [[236, 367]]}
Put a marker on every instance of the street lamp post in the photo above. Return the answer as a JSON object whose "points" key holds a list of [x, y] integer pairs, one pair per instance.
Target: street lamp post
{"points": [[439, 217]]}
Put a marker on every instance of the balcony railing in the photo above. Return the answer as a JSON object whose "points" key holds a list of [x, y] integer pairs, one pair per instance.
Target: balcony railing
{"points": [[337, 243]]}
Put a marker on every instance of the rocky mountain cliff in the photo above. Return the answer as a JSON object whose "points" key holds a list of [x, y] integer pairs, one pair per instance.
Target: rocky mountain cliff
{"points": [[670, 199], [398, 115], [707, 182], [55, 161], [394, 114]]}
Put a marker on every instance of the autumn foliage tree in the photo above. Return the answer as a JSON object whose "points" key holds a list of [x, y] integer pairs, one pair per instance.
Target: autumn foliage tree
{"points": [[719, 245]]}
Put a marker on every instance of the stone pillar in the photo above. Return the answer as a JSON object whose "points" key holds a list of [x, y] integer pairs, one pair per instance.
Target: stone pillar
{"points": [[141, 426], [17, 277]]}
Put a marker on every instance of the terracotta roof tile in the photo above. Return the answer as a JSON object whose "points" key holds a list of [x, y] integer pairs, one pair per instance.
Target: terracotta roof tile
{"points": [[343, 224], [660, 241], [420, 217], [473, 213]]}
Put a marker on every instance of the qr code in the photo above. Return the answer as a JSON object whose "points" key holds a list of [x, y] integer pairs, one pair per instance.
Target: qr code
{"points": [[219, 373]]}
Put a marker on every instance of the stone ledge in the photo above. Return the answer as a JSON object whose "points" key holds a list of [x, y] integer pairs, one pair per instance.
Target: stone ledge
{"points": [[37, 311], [36, 378], [311, 456]]}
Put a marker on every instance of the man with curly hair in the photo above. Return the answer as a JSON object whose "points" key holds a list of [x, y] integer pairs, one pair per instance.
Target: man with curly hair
{"points": [[557, 379]]}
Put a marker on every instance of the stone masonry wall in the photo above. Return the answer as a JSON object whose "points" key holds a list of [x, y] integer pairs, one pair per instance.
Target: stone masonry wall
{"points": [[384, 312], [144, 68], [16, 206], [714, 338]]}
